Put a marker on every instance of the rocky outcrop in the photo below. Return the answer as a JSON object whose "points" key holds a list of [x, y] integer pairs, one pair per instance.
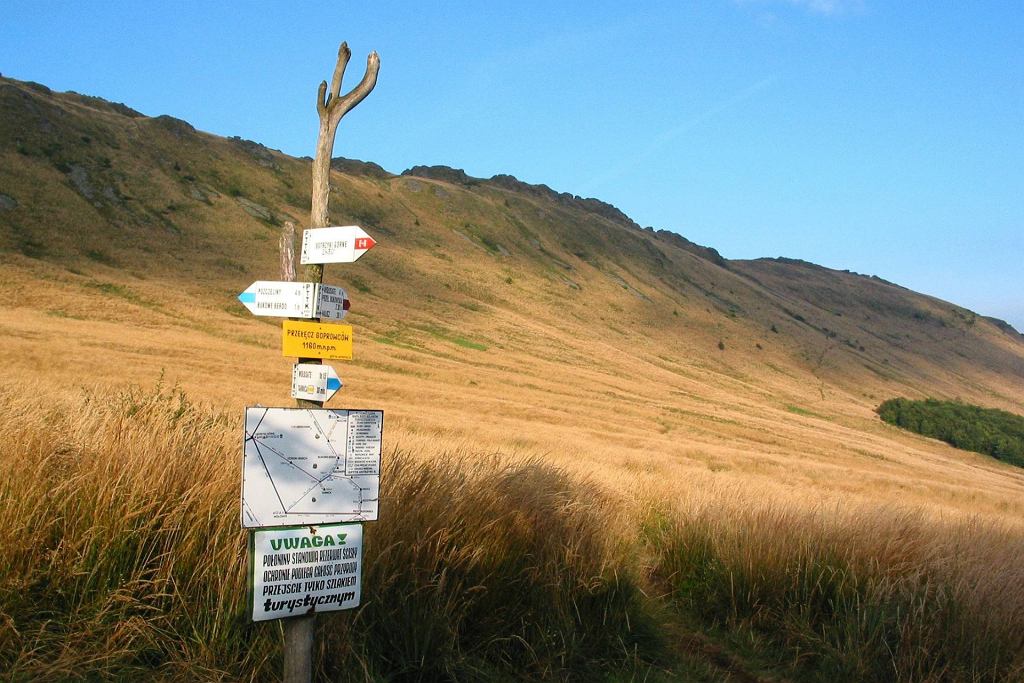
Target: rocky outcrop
{"points": [[457, 176], [683, 243], [362, 168], [178, 128]]}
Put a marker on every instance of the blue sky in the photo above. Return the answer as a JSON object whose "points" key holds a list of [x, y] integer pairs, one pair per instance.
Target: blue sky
{"points": [[881, 137]]}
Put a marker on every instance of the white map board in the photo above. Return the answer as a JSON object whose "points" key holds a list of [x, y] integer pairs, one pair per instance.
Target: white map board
{"points": [[310, 466]]}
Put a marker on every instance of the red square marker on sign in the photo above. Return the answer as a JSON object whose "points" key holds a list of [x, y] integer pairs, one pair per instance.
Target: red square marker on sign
{"points": [[365, 243]]}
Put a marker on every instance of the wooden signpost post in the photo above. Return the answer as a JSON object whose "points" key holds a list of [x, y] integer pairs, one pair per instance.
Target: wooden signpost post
{"points": [[293, 572]]}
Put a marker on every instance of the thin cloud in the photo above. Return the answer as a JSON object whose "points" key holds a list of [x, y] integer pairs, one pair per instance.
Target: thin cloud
{"points": [[823, 7], [671, 134]]}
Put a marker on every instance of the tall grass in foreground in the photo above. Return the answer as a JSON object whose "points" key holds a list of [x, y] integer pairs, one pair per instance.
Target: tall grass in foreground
{"points": [[121, 555], [874, 595]]}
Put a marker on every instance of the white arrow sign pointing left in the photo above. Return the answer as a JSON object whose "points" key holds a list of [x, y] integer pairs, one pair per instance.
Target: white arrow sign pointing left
{"points": [[281, 299], [295, 300]]}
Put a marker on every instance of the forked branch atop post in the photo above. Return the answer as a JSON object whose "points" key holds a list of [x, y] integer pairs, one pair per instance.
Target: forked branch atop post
{"points": [[331, 106]]}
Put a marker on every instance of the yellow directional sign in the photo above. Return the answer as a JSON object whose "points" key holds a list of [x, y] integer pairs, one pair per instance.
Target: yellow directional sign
{"points": [[316, 340]]}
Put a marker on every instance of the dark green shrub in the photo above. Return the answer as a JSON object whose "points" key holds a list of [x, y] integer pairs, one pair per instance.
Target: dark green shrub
{"points": [[983, 430]]}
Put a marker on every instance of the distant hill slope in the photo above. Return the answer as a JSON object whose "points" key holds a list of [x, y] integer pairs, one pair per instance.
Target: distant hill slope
{"points": [[96, 189]]}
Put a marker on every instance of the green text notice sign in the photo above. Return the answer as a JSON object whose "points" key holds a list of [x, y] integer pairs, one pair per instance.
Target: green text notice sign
{"points": [[301, 570]]}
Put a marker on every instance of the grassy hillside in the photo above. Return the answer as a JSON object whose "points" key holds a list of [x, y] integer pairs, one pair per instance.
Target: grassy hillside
{"points": [[497, 321], [127, 238]]}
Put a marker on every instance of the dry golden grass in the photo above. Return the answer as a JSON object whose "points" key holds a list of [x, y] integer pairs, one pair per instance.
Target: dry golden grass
{"points": [[122, 554], [875, 593], [629, 411]]}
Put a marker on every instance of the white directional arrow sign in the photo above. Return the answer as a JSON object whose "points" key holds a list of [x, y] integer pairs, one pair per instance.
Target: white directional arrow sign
{"points": [[295, 300], [314, 382], [342, 244], [281, 299]]}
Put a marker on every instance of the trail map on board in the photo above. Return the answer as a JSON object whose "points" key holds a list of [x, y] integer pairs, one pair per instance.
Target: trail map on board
{"points": [[310, 466]]}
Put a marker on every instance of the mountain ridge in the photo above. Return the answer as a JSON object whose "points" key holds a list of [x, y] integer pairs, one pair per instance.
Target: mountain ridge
{"points": [[140, 187]]}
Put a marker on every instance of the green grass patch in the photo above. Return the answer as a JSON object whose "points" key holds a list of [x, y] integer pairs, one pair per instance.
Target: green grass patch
{"points": [[101, 257], [469, 344], [797, 410], [359, 284], [122, 292], [449, 336], [398, 339]]}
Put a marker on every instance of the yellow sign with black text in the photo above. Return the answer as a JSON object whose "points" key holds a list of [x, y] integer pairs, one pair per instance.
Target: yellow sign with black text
{"points": [[316, 340]]}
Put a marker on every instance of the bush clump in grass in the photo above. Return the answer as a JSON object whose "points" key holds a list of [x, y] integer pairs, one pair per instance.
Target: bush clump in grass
{"points": [[983, 430]]}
